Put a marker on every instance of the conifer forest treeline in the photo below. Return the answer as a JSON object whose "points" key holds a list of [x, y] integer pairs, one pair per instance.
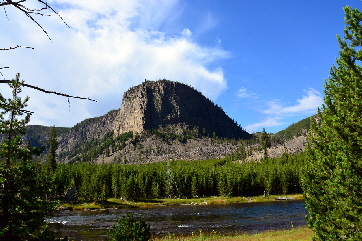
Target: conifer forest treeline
{"points": [[174, 179]]}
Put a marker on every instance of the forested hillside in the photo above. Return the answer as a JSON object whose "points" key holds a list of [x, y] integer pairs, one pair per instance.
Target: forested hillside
{"points": [[297, 129]]}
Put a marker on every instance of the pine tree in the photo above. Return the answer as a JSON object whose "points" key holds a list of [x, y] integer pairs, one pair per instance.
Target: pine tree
{"points": [[333, 174], [265, 142], [53, 145], [22, 207]]}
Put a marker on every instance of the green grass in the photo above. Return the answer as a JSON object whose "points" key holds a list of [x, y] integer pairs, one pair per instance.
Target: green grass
{"points": [[298, 234], [118, 203], [82, 206]]}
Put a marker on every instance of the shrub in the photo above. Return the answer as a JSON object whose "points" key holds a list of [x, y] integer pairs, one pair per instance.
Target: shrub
{"points": [[130, 229]]}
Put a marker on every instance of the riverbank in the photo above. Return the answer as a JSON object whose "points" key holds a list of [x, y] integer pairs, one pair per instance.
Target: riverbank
{"points": [[294, 234], [142, 203]]}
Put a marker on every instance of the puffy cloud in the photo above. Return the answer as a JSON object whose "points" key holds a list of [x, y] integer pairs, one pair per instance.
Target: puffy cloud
{"points": [[110, 47], [277, 112], [186, 32], [308, 103]]}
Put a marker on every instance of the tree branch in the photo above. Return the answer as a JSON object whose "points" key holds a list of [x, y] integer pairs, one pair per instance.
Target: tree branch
{"points": [[49, 92], [17, 46], [27, 11]]}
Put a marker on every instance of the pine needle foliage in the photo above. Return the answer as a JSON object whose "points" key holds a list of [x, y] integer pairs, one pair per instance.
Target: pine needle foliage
{"points": [[22, 206], [333, 175]]}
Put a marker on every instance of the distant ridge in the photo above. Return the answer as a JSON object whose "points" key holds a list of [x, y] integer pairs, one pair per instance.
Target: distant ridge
{"points": [[296, 129], [176, 107]]}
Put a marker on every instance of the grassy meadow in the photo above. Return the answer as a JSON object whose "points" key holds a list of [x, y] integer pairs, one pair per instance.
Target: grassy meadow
{"points": [[295, 234], [141, 203]]}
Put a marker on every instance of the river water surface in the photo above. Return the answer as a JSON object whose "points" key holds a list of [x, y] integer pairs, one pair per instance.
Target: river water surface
{"points": [[226, 219]]}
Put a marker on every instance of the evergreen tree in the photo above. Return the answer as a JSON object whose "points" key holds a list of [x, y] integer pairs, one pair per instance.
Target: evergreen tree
{"points": [[265, 142], [22, 206], [333, 173], [53, 145]]}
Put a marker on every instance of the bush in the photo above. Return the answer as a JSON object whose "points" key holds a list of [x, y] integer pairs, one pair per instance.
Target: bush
{"points": [[130, 229]]}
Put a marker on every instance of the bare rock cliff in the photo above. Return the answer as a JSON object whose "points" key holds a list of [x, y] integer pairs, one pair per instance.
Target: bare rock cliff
{"points": [[175, 106], [89, 129]]}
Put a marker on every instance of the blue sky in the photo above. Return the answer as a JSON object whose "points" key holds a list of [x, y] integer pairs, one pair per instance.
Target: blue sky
{"points": [[264, 62]]}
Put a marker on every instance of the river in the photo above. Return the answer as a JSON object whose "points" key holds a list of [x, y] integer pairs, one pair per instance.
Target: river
{"points": [[225, 218]]}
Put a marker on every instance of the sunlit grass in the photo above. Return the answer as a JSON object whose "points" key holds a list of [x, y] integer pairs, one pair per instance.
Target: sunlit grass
{"points": [[299, 234], [82, 206], [119, 203]]}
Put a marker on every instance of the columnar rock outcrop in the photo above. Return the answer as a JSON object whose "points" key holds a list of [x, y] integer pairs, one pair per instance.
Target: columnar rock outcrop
{"points": [[175, 106]]}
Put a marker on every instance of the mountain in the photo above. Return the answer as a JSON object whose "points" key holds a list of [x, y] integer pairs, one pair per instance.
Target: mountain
{"points": [[163, 120], [176, 107], [158, 120]]}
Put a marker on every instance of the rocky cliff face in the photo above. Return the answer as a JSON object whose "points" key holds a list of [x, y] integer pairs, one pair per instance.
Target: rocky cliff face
{"points": [[89, 129], [70, 139], [175, 106]]}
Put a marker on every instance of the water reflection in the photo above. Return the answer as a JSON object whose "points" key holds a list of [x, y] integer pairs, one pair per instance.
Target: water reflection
{"points": [[231, 218]]}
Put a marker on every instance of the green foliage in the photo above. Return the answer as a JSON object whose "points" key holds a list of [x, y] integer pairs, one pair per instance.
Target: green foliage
{"points": [[92, 149], [179, 179], [130, 229], [332, 181], [53, 145], [36, 134], [265, 142], [297, 129], [22, 203]]}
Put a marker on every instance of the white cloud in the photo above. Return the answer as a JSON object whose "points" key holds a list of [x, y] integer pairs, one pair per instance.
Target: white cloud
{"points": [[308, 103], [276, 112], [186, 32], [110, 47], [244, 93], [207, 22], [268, 122]]}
